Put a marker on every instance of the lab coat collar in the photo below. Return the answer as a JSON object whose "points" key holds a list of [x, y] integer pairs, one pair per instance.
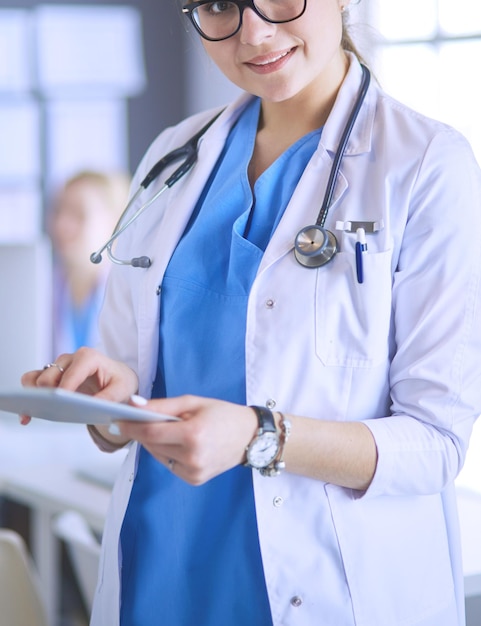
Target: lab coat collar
{"points": [[212, 142], [306, 201], [360, 140]]}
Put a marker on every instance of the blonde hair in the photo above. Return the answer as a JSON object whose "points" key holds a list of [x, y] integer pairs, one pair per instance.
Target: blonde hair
{"points": [[347, 42], [114, 186]]}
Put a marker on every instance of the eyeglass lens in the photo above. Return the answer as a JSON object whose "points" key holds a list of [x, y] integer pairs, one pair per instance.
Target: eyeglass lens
{"points": [[220, 20]]}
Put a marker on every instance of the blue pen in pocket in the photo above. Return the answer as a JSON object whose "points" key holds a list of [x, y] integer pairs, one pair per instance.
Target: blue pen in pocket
{"points": [[361, 249]]}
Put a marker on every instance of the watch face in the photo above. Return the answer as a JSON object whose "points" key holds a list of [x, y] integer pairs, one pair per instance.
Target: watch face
{"points": [[263, 450]]}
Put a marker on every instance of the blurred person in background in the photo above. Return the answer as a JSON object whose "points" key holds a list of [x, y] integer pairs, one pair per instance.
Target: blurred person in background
{"points": [[83, 214]]}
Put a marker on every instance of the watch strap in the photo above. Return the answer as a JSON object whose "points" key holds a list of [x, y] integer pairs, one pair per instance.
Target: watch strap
{"points": [[265, 425], [278, 464], [265, 419]]}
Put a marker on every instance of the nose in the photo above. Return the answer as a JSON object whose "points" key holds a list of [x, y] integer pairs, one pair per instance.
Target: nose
{"points": [[254, 29]]}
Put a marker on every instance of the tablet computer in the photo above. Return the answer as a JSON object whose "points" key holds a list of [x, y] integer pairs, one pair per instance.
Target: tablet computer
{"points": [[59, 405]]}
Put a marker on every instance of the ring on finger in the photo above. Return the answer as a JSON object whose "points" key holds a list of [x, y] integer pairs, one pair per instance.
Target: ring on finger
{"points": [[59, 367], [171, 463]]}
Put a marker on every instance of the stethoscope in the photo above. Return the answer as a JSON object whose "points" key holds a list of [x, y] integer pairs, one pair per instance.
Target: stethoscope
{"points": [[188, 152], [314, 245]]}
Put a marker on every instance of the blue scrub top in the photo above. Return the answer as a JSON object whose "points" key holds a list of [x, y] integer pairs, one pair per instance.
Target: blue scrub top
{"points": [[191, 554]]}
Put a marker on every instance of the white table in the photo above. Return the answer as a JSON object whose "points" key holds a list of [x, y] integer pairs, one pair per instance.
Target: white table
{"points": [[48, 491], [38, 469]]}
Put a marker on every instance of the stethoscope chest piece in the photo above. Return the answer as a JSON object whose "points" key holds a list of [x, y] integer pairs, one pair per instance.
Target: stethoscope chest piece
{"points": [[315, 246]]}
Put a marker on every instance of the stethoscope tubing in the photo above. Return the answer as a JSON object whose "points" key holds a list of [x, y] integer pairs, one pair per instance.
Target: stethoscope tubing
{"points": [[331, 183], [189, 151], [96, 257], [120, 229], [314, 245]]}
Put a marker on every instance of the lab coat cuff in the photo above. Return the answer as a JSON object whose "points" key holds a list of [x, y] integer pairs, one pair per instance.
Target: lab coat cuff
{"points": [[381, 483], [101, 442]]}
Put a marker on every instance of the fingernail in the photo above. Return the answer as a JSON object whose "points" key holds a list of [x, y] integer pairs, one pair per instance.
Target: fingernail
{"points": [[138, 400], [114, 429]]}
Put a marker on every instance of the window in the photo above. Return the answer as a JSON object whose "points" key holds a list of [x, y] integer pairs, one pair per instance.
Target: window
{"points": [[426, 54]]}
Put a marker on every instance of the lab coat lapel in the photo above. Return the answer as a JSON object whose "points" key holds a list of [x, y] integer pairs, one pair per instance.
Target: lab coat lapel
{"points": [[304, 206], [182, 198], [160, 237]]}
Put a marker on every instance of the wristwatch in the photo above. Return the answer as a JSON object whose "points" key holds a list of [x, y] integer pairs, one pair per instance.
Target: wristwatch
{"points": [[264, 448]]}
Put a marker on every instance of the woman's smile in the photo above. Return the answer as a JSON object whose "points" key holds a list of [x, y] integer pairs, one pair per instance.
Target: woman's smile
{"points": [[272, 62]]}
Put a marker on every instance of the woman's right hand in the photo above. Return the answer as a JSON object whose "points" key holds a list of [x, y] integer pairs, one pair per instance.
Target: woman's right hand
{"points": [[86, 371]]}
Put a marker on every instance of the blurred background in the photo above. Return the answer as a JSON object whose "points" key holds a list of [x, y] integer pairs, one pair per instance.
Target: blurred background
{"points": [[84, 89]]}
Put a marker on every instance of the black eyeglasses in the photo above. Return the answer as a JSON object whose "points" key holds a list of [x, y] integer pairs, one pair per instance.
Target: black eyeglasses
{"points": [[220, 20]]}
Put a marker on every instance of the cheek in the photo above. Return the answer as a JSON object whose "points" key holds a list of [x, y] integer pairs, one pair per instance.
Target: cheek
{"points": [[99, 230], [65, 228], [221, 53]]}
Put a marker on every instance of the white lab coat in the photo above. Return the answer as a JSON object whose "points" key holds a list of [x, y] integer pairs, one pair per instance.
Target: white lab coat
{"points": [[401, 352]]}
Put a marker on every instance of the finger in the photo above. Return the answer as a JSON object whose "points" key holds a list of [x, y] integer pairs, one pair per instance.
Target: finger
{"points": [[136, 400], [29, 379], [151, 405], [78, 367], [170, 462], [93, 373], [88, 371], [155, 406], [68, 370], [153, 439], [179, 406], [172, 465], [54, 365], [144, 432], [50, 375]]}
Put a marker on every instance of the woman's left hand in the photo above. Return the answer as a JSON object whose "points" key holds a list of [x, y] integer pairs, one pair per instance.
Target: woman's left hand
{"points": [[210, 439]]}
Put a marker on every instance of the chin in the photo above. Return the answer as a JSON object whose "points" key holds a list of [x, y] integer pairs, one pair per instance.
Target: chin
{"points": [[279, 96]]}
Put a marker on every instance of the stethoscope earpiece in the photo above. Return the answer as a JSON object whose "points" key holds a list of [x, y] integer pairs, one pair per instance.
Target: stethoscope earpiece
{"points": [[95, 258], [141, 261], [315, 246]]}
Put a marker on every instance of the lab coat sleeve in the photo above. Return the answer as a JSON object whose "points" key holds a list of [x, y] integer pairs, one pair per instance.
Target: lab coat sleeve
{"points": [[435, 375], [118, 321]]}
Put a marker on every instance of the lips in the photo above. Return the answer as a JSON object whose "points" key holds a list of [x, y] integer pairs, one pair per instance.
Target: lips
{"points": [[272, 59], [270, 62]]}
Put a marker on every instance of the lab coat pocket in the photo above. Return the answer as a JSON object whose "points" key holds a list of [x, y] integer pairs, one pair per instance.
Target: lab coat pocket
{"points": [[396, 557], [353, 319]]}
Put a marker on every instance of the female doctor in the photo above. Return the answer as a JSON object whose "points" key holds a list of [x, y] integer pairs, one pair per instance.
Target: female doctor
{"points": [[365, 371]]}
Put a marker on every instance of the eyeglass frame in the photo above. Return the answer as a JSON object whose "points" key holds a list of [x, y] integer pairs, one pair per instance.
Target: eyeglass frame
{"points": [[189, 8]]}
